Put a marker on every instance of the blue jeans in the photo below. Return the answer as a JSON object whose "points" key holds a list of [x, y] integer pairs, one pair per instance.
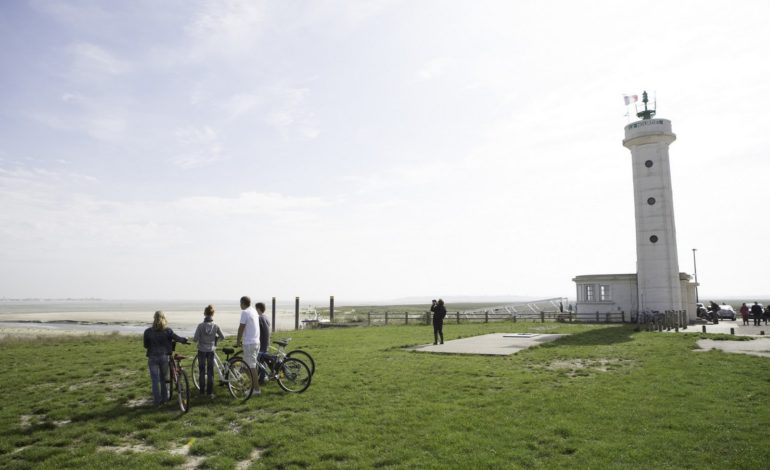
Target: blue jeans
{"points": [[158, 366], [206, 372]]}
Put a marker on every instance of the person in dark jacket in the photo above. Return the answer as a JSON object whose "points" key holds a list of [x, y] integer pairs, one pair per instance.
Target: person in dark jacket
{"points": [[264, 340], [439, 312], [756, 312], [157, 342]]}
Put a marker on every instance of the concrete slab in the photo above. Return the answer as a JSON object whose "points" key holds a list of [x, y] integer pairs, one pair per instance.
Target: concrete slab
{"points": [[495, 344], [756, 347]]}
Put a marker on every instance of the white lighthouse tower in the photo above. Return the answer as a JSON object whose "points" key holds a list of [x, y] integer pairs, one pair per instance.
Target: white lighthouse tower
{"points": [[658, 281]]}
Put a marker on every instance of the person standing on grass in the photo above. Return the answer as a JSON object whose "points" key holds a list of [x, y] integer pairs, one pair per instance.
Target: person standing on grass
{"points": [[439, 312], [766, 316], [745, 314], [248, 333], [756, 310], [264, 339], [206, 335], [157, 342]]}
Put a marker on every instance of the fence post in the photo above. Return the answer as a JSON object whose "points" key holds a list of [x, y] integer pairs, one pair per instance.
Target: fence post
{"points": [[406, 318], [486, 316], [272, 326], [296, 313], [331, 309], [514, 318], [369, 319], [386, 317], [597, 317], [607, 317], [427, 318], [542, 316], [458, 318]]}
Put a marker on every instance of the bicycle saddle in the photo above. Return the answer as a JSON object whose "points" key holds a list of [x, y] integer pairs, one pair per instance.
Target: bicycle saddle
{"points": [[282, 342], [228, 350]]}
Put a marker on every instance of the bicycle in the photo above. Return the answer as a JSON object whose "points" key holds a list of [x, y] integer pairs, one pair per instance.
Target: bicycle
{"points": [[233, 371], [291, 374], [178, 380], [303, 356]]}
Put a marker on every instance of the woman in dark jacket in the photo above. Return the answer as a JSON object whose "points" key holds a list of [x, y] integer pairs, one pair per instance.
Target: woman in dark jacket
{"points": [[439, 312], [157, 342]]}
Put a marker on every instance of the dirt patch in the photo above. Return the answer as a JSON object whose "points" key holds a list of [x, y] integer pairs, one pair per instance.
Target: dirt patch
{"points": [[255, 455], [137, 402], [127, 448], [579, 367]]}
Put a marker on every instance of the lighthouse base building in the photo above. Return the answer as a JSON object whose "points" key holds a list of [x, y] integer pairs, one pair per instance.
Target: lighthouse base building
{"points": [[618, 296]]}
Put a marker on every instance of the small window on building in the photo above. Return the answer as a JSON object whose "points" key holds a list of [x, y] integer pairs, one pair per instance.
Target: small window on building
{"points": [[604, 293], [648, 163], [650, 200], [654, 239], [589, 292]]}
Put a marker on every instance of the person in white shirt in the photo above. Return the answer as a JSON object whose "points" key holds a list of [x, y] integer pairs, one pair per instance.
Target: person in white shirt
{"points": [[248, 335]]}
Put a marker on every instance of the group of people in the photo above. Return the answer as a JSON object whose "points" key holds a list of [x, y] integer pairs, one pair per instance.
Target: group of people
{"points": [[756, 312], [253, 336]]}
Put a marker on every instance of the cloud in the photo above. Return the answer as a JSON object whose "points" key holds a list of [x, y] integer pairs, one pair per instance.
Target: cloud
{"points": [[225, 28], [434, 68], [251, 203], [200, 147], [290, 115], [93, 61]]}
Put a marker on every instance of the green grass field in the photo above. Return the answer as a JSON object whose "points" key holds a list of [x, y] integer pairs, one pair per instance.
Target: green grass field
{"points": [[604, 397]]}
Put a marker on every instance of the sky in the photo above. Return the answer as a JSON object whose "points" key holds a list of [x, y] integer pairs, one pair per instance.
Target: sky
{"points": [[370, 150]]}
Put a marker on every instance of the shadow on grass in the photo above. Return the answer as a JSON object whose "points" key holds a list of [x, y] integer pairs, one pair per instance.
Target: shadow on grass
{"points": [[595, 337]]}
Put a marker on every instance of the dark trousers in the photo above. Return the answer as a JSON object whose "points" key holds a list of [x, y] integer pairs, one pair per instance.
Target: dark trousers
{"points": [[206, 372], [438, 331]]}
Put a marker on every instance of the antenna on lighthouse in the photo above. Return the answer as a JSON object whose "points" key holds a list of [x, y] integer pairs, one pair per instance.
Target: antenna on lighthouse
{"points": [[647, 113]]}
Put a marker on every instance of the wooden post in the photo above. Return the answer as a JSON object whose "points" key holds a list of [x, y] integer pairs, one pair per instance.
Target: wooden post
{"points": [[331, 309], [542, 316], [597, 317], [296, 313], [486, 316], [623, 316], [386, 317], [273, 325], [607, 316], [458, 318], [406, 318], [732, 331], [369, 319]]}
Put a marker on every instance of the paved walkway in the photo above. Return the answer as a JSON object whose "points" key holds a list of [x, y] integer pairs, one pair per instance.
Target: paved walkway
{"points": [[495, 344], [724, 326]]}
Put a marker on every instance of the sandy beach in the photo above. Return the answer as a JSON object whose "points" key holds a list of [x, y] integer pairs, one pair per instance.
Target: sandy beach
{"points": [[30, 324]]}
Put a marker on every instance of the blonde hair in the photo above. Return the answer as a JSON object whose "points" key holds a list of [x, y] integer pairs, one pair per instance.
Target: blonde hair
{"points": [[159, 321], [208, 311]]}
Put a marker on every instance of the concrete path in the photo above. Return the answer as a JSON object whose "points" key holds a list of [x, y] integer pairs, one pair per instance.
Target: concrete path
{"points": [[724, 326], [496, 344]]}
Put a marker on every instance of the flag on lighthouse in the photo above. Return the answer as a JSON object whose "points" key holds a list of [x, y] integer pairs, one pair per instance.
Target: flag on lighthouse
{"points": [[628, 99]]}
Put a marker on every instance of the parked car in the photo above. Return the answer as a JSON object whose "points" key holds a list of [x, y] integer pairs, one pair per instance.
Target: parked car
{"points": [[726, 311]]}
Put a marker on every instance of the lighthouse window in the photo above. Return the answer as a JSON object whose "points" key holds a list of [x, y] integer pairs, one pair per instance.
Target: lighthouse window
{"points": [[604, 293], [648, 163], [654, 239], [650, 200]]}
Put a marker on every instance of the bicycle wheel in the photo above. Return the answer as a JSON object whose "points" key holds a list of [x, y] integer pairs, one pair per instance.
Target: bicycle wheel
{"points": [[183, 391], [194, 372], [304, 357], [294, 375], [240, 380]]}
